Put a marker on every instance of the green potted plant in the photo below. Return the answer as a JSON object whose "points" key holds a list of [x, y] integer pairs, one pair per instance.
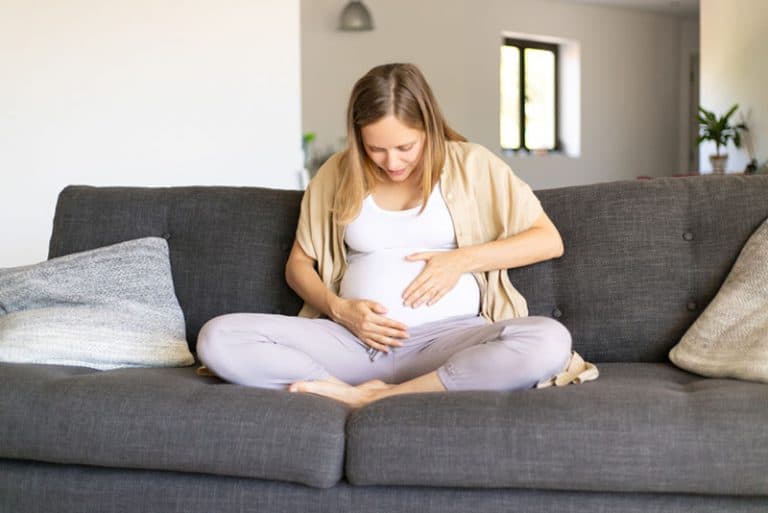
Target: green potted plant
{"points": [[306, 147], [719, 130]]}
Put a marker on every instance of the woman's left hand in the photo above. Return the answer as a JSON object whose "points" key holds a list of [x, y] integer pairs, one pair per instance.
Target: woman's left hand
{"points": [[439, 275]]}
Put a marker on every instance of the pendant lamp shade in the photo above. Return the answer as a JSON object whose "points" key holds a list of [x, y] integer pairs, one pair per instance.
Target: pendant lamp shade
{"points": [[355, 16]]}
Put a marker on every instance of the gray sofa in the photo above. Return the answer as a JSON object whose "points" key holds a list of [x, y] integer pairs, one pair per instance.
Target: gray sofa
{"points": [[643, 259]]}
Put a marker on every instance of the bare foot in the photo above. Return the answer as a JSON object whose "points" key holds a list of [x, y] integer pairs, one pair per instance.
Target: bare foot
{"points": [[335, 389], [375, 384]]}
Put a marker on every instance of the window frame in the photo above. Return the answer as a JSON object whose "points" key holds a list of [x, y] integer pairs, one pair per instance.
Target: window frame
{"points": [[522, 45]]}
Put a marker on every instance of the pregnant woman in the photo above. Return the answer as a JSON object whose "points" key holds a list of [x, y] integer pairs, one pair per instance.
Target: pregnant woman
{"points": [[400, 256]]}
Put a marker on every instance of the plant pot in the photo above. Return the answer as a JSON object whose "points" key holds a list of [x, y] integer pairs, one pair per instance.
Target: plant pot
{"points": [[718, 163]]}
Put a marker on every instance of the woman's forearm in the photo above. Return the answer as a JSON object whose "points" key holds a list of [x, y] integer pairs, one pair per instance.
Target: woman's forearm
{"points": [[304, 280], [533, 245]]}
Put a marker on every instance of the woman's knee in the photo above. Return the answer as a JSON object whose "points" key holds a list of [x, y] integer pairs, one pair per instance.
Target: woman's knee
{"points": [[549, 343], [539, 328], [554, 333], [213, 338], [229, 346], [527, 351]]}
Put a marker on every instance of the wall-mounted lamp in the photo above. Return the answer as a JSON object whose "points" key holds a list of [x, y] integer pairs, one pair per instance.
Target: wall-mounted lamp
{"points": [[356, 17]]}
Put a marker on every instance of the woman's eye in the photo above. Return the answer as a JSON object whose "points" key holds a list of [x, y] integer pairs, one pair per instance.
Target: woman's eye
{"points": [[399, 148]]}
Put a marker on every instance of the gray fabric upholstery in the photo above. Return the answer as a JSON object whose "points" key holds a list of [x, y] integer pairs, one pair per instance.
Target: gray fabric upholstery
{"points": [[43, 488], [168, 419], [105, 308], [730, 339], [640, 427], [642, 259]]}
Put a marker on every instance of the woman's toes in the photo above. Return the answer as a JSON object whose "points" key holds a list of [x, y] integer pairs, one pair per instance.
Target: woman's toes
{"points": [[299, 386]]}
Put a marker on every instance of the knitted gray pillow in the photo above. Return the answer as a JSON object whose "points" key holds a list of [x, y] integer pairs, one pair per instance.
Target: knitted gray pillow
{"points": [[106, 308], [730, 338]]}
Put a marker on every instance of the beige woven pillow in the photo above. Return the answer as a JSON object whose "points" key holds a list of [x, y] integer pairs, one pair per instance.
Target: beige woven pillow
{"points": [[730, 338]]}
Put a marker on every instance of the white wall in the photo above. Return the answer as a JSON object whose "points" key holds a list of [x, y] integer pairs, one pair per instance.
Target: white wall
{"points": [[144, 93], [630, 111], [734, 45]]}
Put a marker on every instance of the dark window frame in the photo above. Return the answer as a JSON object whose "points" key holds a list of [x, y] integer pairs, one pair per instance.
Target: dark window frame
{"points": [[522, 45]]}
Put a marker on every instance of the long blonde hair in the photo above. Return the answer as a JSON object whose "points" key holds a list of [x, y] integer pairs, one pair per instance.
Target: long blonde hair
{"points": [[390, 89]]}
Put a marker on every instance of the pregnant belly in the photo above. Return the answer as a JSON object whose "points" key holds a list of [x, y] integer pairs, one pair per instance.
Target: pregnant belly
{"points": [[383, 275]]}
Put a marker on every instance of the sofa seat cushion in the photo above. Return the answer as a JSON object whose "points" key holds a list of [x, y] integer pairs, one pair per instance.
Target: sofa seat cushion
{"points": [[641, 427], [168, 419]]}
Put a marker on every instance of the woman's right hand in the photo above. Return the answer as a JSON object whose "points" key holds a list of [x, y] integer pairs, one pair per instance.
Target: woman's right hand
{"points": [[366, 320]]}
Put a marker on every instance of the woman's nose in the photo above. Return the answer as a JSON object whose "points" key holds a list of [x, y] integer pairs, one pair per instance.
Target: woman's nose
{"points": [[391, 161]]}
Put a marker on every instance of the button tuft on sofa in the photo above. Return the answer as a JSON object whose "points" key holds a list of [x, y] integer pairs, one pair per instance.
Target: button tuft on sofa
{"points": [[688, 236], [557, 313], [691, 306]]}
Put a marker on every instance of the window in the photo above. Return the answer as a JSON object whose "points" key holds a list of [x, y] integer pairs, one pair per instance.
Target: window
{"points": [[529, 86]]}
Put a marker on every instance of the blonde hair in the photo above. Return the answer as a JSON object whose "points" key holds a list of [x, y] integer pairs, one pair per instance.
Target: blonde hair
{"points": [[390, 89]]}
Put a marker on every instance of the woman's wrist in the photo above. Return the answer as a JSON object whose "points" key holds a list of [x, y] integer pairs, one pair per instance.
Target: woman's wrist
{"points": [[335, 304], [466, 258]]}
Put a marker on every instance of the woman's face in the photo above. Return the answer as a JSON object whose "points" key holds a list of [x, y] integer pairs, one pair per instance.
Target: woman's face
{"points": [[394, 147]]}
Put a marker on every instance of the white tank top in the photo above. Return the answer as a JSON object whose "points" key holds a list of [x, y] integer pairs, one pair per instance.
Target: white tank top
{"points": [[378, 241]]}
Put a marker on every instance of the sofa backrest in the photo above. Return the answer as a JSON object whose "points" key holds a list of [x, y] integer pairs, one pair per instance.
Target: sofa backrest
{"points": [[642, 258]]}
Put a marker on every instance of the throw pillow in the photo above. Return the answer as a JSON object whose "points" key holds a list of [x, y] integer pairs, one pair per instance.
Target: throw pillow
{"points": [[106, 308], [730, 338]]}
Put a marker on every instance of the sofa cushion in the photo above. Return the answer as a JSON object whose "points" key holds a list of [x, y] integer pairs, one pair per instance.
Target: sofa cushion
{"points": [[106, 308], [641, 427], [168, 419], [730, 339]]}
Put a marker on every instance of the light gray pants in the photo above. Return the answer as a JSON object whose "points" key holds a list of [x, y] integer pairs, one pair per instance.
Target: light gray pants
{"points": [[468, 352]]}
